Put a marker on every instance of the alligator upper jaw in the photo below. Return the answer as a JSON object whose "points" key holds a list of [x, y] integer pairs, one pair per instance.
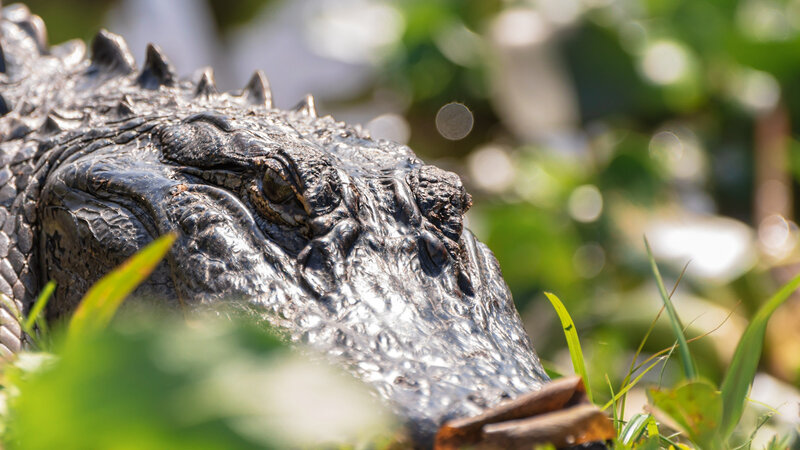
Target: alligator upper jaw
{"points": [[559, 413]]}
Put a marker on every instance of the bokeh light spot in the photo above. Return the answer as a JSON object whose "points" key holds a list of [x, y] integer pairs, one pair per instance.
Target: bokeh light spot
{"points": [[391, 127], [665, 62], [589, 260], [585, 203], [777, 236], [520, 27], [491, 169], [454, 121]]}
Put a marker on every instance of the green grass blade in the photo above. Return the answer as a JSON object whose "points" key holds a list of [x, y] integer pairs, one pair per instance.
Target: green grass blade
{"points": [[647, 334], [38, 307], [99, 305], [683, 347], [617, 420], [634, 429], [573, 343], [633, 383], [742, 370]]}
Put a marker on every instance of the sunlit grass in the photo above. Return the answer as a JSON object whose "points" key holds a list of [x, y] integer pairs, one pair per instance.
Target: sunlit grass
{"points": [[706, 415]]}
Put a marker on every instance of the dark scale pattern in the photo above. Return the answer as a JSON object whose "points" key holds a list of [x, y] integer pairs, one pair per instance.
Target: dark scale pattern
{"points": [[352, 246]]}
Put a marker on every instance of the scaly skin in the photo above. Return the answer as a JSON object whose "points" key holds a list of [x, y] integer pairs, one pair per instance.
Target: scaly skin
{"points": [[352, 246]]}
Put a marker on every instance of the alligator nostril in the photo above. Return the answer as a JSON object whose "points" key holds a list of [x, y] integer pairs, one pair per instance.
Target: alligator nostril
{"points": [[465, 283], [346, 234], [407, 210], [315, 268], [433, 252]]}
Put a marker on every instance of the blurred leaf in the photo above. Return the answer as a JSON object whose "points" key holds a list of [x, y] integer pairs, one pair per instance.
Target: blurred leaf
{"points": [[573, 342], [742, 370], [697, 407], [35, 316], [683, 347], [160, 383], [99, 305]]}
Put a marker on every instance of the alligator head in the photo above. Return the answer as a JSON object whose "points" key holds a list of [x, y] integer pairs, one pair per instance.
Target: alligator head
{"points": [[350, 245]]}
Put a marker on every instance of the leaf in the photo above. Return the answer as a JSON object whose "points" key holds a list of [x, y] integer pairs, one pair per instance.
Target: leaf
{"points": [[683, 348], [35, 316], [39, 305], [99, 305], [573, 343], [697, 407], [742, 370]]}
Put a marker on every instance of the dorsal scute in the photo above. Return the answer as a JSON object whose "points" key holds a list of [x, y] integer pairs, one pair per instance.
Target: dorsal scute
{"points": [[206, 85], [157, 70], [307, 106], [110, 53], [257, 91]]}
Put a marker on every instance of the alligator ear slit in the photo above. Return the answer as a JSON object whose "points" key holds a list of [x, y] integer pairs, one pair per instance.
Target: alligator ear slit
{"points": [[110, 52], [206, 86], [257, 91], [157, 70], [306, 106]]}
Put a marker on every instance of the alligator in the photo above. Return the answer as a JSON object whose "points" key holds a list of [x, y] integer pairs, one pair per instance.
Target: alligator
{"points": [[352, 246]]}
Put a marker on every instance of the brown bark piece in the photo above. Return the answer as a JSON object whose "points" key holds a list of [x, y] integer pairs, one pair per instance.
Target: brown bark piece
{"points": [[553, 396], [572, 426]]}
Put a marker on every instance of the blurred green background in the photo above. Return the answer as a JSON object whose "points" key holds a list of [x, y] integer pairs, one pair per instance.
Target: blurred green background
{"points": [[596, 122]]}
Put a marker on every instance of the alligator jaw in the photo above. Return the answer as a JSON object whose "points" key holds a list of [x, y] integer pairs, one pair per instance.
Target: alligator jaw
{"points": [[559, 413]]}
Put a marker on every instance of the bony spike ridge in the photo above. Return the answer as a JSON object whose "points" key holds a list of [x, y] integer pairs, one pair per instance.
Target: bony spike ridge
{"points": [[110, 53], [257, 91], [157, 70], [306, 107], [206, 86]]}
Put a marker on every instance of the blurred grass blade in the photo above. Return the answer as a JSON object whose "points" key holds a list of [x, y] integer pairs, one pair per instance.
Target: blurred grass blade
{"points": [[634, 429], [99, 305], [683, 348], [38, 307], [742, 370], [617, 420], [573, 343]]}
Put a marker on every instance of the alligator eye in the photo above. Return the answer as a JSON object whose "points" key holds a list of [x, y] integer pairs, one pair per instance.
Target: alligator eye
{"points": [[275, 187], [276, 197]]}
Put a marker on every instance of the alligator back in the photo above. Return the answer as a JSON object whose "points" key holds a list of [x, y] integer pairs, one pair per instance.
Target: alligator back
{"points": [[350, 245]]}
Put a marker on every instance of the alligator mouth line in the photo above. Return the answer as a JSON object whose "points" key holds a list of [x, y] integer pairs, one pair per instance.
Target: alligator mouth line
{"points": [[559, 413]]}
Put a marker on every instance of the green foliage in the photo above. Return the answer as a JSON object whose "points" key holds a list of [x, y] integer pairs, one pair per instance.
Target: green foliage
{"points": [[35, 325], [160, 383], [683, 347], [697, 407], [704, 414], [739, 376], [101, 302], [573, 342]]}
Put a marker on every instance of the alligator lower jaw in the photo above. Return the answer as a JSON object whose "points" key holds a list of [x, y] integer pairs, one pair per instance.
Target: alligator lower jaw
{"points": [[559, 413]]}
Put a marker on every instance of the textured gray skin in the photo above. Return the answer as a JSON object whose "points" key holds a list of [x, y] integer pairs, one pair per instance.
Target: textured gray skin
{"points": [[352, 246]]}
